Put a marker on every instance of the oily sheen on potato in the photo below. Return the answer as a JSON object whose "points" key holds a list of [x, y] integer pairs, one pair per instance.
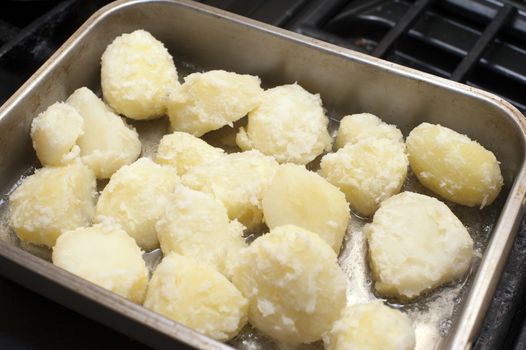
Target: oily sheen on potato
{"points": [[51, 201], [135, 198], [210, 100], [454, 166], [106, 256], [108, 142], [295, 288], [416, 244], [54, 133], [289, 125], [195, 224], [303, 198], [194, 294], [137, 73], [371, 326], [356, 127]]}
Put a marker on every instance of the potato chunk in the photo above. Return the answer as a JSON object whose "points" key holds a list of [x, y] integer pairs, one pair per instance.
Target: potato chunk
{"points": [[454, 166], [210, 100], [300, 197], [238, 181], [194, 294], [371, 326], [184, 151], [357, 127], [367, 172], [106, 256], [296, 289], [137, 73], [195, 224], [52, 201], [289, 125], [135, 198], [55, 132], [108, 142], [415, 244]]}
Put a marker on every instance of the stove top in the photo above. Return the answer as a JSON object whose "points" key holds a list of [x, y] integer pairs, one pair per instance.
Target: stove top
{"points": [[478, 42]]}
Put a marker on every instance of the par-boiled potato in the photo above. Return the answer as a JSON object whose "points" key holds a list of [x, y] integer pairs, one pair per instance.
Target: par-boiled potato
{"points": [[238, 181], [294, 285], [55, 132], [371, 326], [303, 198], [105, 255], [135, 198], [454, 166], [194, 294], [137, 73], [51, 201], [356, 127], [289, 125], [368, 172], [416, 244], [184, 151], [210, 100], [107, 142]]}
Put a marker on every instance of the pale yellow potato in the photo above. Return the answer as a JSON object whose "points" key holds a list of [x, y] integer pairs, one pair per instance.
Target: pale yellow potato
{"points": [[295, 288], [303, 198], [368, 172], [416, 244], [195, 295], [195, 224], [371, 326], [238, 181], [135, 198], [210, 100], [184, 151], [289, 124], [108, 142], [454, 166], [137, 73], [105, 255], [357, 127], [55, 132], [51, 201]]}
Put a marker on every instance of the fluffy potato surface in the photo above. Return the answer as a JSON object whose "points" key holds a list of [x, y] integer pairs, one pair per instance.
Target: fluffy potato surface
{"points": [[303, 198], [106, 256], [356, 127], [108, 142], [454, 166], [184, 151], [195, 224], [135, 198], [238, 181], [294, 285], [55, 132], [137, 73], [51, 201], [289, 125], [210, 100], [197, 296], [416, 244], [371, 326], [368, 172]]}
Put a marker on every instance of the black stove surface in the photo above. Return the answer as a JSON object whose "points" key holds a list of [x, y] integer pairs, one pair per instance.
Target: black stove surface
{"points": [[479, 42]]}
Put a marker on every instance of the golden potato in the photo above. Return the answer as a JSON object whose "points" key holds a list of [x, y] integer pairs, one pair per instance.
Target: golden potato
{"points": [[210, 100], [300, 197], [357, 127], [454, 166], [289, 125], [52, 201], [137, 73]]}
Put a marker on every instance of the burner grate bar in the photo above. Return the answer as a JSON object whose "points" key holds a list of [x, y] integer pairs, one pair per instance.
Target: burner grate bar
{"points": [[471, 59]]}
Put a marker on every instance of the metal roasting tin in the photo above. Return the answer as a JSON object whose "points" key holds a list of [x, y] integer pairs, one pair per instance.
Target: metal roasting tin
{"points": [[201, 37]]}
